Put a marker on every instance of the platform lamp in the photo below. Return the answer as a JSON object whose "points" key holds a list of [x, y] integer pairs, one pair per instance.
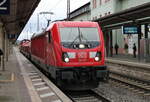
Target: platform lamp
{"points": [[45, 13], [148, 28]]}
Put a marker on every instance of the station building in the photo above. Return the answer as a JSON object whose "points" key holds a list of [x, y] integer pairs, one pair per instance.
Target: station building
{"points": [[102, 8], [81, 14], [112, 15]]}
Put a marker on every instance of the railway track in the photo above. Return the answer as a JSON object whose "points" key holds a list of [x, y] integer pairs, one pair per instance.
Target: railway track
{"points": [[75, 96], [137, 86], [86, 96], [79, 96]]}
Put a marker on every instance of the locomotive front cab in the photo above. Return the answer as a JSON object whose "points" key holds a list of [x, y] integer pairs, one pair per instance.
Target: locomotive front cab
{"points": [[82, 55], [81, 45]]}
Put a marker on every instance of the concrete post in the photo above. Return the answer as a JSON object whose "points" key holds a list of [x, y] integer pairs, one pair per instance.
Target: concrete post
{"points": [[9, 47], [146, 30], [6, 47], [4, 51], [106, 36], [1, 44], [111, 44], [139, 38]]}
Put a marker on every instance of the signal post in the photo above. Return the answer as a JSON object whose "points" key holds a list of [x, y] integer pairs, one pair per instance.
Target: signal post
{"points": [[2, 46]]}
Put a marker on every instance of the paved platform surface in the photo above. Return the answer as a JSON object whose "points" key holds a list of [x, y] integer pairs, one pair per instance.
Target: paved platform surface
{"points": [[129, 66], [13, 90], [124, 57], [16, 84], [128, 59]]}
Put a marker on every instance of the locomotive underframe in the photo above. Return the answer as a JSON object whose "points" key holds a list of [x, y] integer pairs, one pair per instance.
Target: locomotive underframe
{"points": [[82, 73], [81, 78], [76, 78]]}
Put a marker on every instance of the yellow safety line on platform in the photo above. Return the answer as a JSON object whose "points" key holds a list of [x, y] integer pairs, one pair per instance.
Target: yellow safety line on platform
{"points": [[12, 77], [30, 88], [11, 80]]}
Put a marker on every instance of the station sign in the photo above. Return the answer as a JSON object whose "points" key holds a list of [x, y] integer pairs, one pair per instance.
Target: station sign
{"points": [[130, 30], [4, 6]]}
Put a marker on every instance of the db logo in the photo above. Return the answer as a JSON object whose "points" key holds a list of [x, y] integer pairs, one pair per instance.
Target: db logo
{"points": [[82, 55]]}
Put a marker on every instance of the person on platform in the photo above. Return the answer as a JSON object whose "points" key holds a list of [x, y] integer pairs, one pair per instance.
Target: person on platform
{"points": [[1, 52], [134, 50], [126, 48], [116, 48]]}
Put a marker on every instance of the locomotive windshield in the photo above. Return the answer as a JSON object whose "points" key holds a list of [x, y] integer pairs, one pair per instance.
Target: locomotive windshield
{"points": [[72, 36]]}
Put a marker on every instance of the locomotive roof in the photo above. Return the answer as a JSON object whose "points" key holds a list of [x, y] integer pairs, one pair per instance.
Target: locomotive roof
{"points": [[67, 24], [38, 34], [72, 24]]}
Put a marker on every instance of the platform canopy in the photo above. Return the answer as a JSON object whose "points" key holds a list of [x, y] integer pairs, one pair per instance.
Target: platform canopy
{"points": [[20, 12], [135, 15]]}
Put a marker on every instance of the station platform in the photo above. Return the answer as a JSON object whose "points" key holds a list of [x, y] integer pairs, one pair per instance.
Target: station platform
{"points": [[128, 60], [129, 66], [127, 57], [17, 86]]}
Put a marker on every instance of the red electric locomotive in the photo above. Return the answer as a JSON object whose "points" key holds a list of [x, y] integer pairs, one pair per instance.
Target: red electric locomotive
{"points": [[73, 54]]}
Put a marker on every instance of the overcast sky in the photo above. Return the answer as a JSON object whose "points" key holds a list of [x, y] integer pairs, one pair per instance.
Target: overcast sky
{"points": [[58, 7]]}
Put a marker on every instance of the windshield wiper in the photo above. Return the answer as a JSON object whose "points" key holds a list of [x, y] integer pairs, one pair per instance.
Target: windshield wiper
{"points": [[74, 41], [80, 37]]}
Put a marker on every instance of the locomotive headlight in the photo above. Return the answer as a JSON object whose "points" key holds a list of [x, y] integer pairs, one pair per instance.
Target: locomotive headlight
{"points": [[96, 58], [81, 46], [66, 59]]}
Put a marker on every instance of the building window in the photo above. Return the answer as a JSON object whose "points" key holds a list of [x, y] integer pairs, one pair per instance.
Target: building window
{"points": [[95, 18], [108, 13], [100, 16], [94, 3], [107, 1], [100, 2], [105, 14]]}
